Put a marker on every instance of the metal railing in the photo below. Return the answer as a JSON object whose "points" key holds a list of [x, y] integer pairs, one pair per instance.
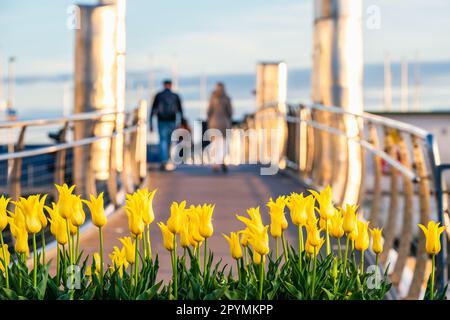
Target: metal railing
{"points": [[29, 168], [399, 175]]}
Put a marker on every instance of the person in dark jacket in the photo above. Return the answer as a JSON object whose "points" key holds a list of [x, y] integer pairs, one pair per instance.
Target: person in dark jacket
{"points": [[167, 108]]}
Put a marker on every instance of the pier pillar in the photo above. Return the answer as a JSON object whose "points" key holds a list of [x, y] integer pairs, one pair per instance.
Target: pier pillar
{"points": [[337, 81], [96, 82], [271, 84], [271, 91]]}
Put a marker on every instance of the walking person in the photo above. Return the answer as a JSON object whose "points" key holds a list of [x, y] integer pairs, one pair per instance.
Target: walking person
{"points": [[167, 108], [220, 114]]}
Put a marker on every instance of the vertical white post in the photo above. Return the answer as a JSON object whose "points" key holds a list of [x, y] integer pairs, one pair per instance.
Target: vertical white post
{"points": [[387, 83], [95, 87], [404, 107], [337, 81]]}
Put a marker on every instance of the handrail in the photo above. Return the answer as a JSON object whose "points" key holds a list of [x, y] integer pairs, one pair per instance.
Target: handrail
{"points": [[405, 127], [63, 146], [42, 122], [364, 143]]}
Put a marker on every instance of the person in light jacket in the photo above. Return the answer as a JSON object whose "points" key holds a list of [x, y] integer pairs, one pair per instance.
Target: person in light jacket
{"points": [[220, 114]]}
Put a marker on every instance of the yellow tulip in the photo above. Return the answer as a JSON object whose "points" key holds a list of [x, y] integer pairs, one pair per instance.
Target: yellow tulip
{"points": [[193, 213], [313, 236], [65, 200], [4, 259], [362, 240], [235, 248], [31, 210], [245, 238], [353, 235], [350, 218], [432, 235], [97, 262], [168, 236], [96, 207], [323, 224], [300, 208], [278, 221], [259, 239], [176, 217], [206, 228], [257, 258], [255, 218], [133, 209], [19, 232], [310, 248], [336, 229], [78, 216], [185, 237], [3, 216], [325, 200], [58, 225], [118, 260], [130, 249], [377, 240], [146, 199], [72, 229]]}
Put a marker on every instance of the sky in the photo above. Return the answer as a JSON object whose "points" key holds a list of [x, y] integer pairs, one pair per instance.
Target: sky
{"points": [[219, 37]]}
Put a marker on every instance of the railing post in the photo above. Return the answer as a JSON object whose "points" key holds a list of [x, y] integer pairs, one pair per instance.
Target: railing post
{"points": [[16, 171]]}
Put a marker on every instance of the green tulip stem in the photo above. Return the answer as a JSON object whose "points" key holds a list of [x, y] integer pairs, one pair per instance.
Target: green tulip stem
{"points": [[376, 270], [175, 268], [68, 241], [4, 261], [35, 261], [362, 262], [57, 262], [144, 244], [136, 260], [314, 274], [433, 271], [239, 270], [339, 248], [77, 248], [300, 246], [261, 278], [283, 240], [276, 248], [328, 240], [149, 243], [347, 242], [43, 245], [205, 258], [100, 235], [245, 257]]}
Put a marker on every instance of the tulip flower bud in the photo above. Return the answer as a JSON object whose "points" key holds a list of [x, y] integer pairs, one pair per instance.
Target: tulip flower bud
{"points": [[206, 228], [97, 210], [3, 216], [176, 217], [362, 240], [130, 249], [235, 248], [168, 236], [5, 257], [432, 235], [377, 241], [65, 200]]}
